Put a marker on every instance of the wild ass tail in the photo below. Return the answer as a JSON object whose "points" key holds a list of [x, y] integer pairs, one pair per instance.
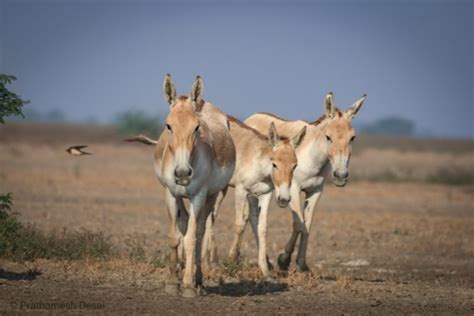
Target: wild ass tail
{"points": [[141, 139]]}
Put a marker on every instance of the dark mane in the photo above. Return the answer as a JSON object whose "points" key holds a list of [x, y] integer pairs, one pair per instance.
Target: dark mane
{"points": [[323, 117], [319, 120]]}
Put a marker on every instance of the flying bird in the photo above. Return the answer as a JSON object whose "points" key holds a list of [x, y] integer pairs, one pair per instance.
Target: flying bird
{"points": [[77, 150]]}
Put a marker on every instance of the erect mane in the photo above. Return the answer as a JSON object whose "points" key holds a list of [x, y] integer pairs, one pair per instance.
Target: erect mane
{"points": [[324, 117]]}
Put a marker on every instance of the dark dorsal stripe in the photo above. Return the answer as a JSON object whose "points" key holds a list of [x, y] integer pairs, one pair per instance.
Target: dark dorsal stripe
{"points": [[317, 122], [257, 133]]}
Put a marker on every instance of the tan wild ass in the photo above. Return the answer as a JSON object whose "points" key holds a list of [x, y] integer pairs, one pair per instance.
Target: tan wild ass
{"points": [[263, 164], [327, 144], [194, 158]]}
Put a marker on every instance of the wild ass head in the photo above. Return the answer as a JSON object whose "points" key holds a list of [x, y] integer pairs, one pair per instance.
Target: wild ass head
{"points": [[284, 162], [339, 136], [183, 126]]}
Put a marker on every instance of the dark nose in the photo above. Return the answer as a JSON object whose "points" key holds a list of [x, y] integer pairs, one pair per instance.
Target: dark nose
{"points": [[283, 201], [341, 174], [183, 172]]}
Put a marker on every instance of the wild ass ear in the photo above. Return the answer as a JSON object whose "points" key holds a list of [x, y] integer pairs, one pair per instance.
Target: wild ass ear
{"points": [[273, 135], [329, 106], [197, 91], [298, 138], [352, 111], [169, 89]]}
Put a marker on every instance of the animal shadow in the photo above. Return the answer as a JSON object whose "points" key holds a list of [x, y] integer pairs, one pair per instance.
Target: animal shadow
{"points": [[19, 276], [246, 288]]}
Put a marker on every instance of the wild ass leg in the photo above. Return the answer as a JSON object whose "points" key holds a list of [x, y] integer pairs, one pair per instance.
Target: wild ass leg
{"points": [[209, 246], [255, 209], [312, 198], [172, 286], [264, 202], [241, 219], [197, 204], [284, 259], [183, 218], [202, 219]]}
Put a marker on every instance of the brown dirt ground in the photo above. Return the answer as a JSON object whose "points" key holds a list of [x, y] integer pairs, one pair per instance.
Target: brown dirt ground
{"points": [[375, 248]]}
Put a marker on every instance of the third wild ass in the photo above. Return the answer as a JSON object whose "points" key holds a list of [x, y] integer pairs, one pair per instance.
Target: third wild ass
{"points": [[327, 144], [263, 164], [194, 158]]}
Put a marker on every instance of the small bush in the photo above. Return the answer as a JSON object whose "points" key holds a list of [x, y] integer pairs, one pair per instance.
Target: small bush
{"points": [[452, 176], [26, 243], [138, 122], [232, 267]]}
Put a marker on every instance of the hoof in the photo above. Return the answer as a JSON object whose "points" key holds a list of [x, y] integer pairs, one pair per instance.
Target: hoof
{"points": [[302, 268], [188, 292], [284, 261], [172, 289]]}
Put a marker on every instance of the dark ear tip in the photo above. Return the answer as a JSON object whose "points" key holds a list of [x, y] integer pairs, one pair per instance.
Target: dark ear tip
{"points": [[365, 95], [168, 75], [198, 77], [330, 93]]}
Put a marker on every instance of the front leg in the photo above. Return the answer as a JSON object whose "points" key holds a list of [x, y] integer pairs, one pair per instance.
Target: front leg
{"points": [[197, 204], [312, 197], [172, 286], [284, 259], [264, 203]]}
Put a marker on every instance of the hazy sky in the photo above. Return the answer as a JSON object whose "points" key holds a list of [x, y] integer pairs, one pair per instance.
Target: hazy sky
{"points": [[96, 58]]}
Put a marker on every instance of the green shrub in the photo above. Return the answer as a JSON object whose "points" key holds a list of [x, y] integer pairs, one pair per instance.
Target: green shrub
{"points": [[10, 103]]}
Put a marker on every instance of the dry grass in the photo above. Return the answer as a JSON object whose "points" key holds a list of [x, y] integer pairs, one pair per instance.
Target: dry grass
{"points": [[383, 243]]}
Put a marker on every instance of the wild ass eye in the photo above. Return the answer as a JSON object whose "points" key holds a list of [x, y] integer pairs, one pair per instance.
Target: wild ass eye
{"points": [[352, 138], [274, 165], [328, 138], [197, 128], [168, 127], [295, 166]]}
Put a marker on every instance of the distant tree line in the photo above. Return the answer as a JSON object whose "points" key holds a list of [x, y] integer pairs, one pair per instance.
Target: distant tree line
{"points": [[390, 126]]}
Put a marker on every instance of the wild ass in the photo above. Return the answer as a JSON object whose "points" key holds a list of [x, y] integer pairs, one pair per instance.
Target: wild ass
{"points": [[327, 144], [263, 164], [194, 158]]}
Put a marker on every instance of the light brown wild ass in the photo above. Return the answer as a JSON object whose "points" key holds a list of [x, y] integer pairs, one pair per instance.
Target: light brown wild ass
{"points": [[327, 144], [194, 158], [263, 164]]}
